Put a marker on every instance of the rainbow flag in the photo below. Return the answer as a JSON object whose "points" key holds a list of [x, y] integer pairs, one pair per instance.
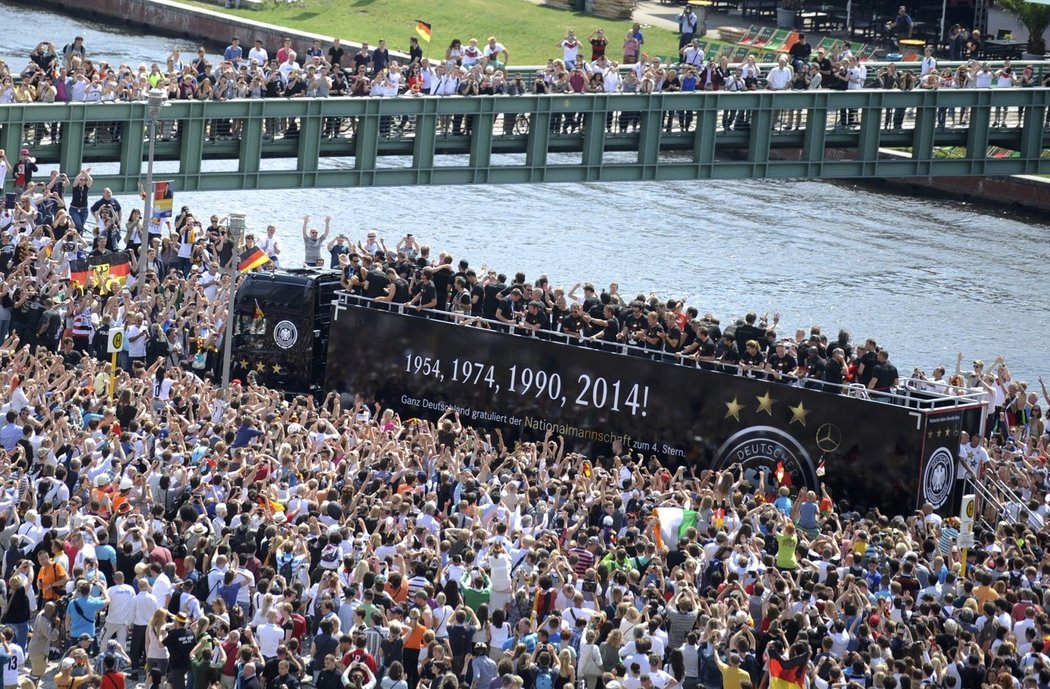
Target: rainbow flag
{"points": [[424, 30]]}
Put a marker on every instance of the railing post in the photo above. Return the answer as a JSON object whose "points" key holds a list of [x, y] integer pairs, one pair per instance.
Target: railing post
{"points": [[707, 131], [425, 139], [191, 145], [1032, 133], [71, 147], [249, 153], [367, 140], [309, 148], [649, 138], [922, 138], [594, 121], [539, 139], [481, 138], [977, 133], [134, 131]]}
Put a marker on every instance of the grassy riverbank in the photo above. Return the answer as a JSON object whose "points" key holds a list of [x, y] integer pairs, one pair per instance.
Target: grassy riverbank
{"points": [[530, 32]]}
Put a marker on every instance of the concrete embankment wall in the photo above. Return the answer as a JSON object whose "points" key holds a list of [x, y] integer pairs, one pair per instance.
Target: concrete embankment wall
{"points": [[1023, 192]]}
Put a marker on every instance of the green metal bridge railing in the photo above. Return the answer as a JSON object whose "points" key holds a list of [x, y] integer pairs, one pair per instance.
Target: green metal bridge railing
{"points": [[347, 142]]}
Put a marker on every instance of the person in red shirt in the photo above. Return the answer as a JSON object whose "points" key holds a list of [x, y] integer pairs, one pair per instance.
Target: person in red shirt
{"points": [[111, 678], [360, 654]]}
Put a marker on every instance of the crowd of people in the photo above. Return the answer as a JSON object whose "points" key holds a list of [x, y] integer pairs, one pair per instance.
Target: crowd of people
{"points": [[183, 534], [471, 68]]}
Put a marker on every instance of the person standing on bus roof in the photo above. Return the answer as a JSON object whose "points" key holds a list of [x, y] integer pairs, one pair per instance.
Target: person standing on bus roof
{"points": [[312, 242], [271, 244]]}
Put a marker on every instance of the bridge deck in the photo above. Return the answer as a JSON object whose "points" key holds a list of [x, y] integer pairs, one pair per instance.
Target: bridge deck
{"points": [[342, 142]]}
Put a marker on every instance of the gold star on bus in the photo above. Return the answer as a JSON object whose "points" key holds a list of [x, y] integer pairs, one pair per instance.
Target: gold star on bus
{"points": [[798, 413], [243, 363], [733, 409], [277, 368], [260, 366], [765, 403]]}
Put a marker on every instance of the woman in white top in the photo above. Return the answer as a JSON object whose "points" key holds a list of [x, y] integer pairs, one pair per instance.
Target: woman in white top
{"points": [[156, 651], [589, 666], [498, 632], [441, 614]]}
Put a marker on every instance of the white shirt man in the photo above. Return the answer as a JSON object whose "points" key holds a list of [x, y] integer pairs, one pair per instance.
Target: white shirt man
{"points": [[209, 281], [215, 577], [145, 605], [779, 78], [136, 337], [693, 55], [858, 74], [258, 53], [121, 611], [270, 243], [270, 635], [929, 63]]}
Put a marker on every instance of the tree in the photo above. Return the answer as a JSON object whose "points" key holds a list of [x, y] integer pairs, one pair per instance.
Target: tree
{"points": [[1035, 18]]}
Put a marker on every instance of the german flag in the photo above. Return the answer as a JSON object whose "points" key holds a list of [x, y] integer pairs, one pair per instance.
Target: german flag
{"points": [[251, 259], [258, 315], [111, 270], [78, 272], [424, 30], [787, 674]]}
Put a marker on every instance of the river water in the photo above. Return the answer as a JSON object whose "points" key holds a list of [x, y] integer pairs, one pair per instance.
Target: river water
{"points": [[927, 278]]}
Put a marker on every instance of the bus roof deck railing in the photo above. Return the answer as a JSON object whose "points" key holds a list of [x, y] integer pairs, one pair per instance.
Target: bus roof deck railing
{"points": [[917, 394]]}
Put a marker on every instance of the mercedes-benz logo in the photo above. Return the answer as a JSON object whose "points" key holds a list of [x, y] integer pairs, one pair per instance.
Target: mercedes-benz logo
{"points": [[828, 437]]}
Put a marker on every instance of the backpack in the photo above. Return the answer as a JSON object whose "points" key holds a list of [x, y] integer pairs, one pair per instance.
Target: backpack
{"points": [[330, 553], [544, 679], [201, 590], [545, 605], [285, 569]]}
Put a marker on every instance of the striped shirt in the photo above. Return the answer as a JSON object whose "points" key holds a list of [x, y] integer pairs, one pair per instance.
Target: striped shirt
{"points": [[584, 560]]}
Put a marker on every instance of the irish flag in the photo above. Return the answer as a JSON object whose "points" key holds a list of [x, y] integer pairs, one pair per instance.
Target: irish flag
{"points": [[672, 523]]}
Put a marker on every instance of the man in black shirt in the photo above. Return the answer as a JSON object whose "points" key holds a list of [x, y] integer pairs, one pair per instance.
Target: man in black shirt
{"points": [[494, 287], [836, 367], [426, 295], [376, 281], [672, 333], [800, 52], [507, 311], [608, 328], [335, 55], [780, 362], [633, 323], [885, 374], [477, 294], [727, 353], [572, 323], [179, 642], [535, 318], [868, 361], [816, 365], [703, 349], [654, 332]]}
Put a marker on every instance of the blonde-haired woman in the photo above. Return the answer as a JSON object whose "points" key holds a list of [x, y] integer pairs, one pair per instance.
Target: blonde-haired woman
{"points": [[156, 651], [566, 670]]}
